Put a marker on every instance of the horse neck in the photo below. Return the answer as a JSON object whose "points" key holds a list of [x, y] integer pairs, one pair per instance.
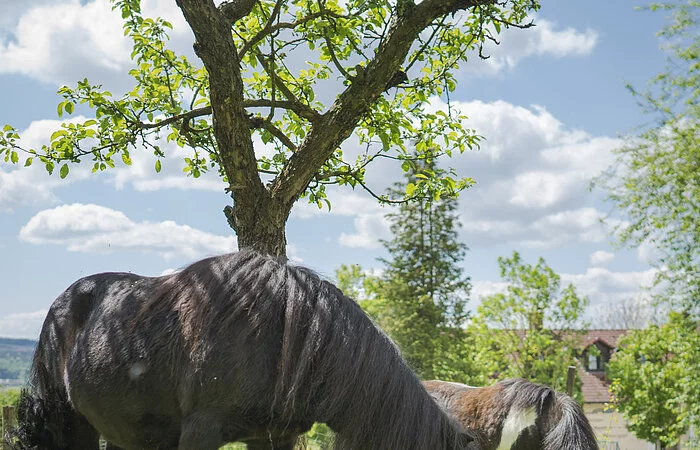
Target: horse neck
{"points": [[389, 409], [342, 370]]}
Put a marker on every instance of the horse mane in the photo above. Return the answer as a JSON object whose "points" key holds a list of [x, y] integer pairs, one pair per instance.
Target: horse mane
{"points": [[571, 431], [335, 365], [563, 421], [521, 394]]}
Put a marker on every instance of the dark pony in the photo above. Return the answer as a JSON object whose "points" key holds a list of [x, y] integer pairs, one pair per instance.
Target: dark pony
{"points": [[240, 347], [516, 414]]}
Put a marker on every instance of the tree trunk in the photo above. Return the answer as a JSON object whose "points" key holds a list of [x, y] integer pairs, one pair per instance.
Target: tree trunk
{"points": [[259, 222]]}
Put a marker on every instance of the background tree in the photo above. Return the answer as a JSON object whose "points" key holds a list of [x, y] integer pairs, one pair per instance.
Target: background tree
{"points": [[533, 329], [655, 181], [420, 297], [253, 83], [655, 382]]}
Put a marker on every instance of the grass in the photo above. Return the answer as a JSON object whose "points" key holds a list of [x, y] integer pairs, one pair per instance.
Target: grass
{"points": [[319, 437]]}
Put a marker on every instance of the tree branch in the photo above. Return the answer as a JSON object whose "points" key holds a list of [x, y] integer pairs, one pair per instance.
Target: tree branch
{"points": [[189, 115], [276, 132], [303, 109], [297, 107], [341, 119], [337, 64], [266, 31], [215, 46], [235, 10]]}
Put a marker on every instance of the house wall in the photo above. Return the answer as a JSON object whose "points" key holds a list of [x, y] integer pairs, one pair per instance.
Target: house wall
{"points": [[611, 427]]}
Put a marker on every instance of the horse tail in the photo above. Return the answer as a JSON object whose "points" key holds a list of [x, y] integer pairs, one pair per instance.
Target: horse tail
{"points": [[42, 422], [44, 413], [572, 431]]}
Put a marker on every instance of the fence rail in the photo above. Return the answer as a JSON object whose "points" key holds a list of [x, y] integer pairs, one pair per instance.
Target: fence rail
{"points": [[9, 417]]}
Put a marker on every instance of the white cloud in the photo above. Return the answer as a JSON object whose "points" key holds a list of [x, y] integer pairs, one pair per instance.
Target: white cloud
{"points": [[540, 189], [604, 289], [532, 184], [93, 228], [604, 286], [62, 42], [601, 258], [17, 189], [21, 186], [22, 325], [369, 229], [545, 39], [370, 222], [482, 289], [532, 175]]}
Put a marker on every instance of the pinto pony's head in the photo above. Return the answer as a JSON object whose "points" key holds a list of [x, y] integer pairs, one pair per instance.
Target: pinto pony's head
{"points": [[516, 414]]}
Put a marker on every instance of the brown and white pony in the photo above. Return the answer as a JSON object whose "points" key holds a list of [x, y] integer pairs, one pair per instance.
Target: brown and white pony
{"points": [[516, 414]]}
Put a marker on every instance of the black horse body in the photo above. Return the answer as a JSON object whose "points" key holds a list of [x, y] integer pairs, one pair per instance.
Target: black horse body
{"points": [[239, 347]]}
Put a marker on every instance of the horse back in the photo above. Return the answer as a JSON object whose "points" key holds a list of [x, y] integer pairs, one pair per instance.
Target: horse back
{"points": [[69, 314]]}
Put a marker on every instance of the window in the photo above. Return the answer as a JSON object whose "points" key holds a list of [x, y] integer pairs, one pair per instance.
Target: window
{"points": [[592, 362]]}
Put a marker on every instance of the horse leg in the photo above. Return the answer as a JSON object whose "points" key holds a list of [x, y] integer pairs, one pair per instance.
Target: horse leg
{"points": [[200, 432], [82, 434]]}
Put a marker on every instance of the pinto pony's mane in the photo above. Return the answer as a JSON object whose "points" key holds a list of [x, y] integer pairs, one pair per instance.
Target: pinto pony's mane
{"points": [[328, 361], [564, 423]]}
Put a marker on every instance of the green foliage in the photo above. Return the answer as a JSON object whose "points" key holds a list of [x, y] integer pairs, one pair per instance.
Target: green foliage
{"points": [[420, 298], [171, 95], [319, 437], [655, 181], [533, 329], [9, 397], [655, 381]]}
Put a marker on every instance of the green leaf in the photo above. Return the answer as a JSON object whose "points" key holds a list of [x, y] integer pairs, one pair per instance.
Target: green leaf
{"points": [[28, 162], [158, 166], [56, 134], [126, 159], [69, 107], [64, 171], [14, 157], [410, 189]]}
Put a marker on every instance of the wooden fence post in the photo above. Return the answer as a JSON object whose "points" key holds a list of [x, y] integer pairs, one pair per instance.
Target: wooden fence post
{"points": [[570, 377], [8, 423]]}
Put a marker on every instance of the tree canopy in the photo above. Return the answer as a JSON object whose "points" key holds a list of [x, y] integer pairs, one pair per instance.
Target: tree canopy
{"points": [[423, 291], [655, 381], [264, 65], [532, 329], [420, 297]]}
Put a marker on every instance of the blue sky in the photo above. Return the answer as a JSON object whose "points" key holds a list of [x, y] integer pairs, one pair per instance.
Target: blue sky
{"points": [[551, 103]]}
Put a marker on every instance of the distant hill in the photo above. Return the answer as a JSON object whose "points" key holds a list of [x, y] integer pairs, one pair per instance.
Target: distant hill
{"points": [[15, 360]]}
